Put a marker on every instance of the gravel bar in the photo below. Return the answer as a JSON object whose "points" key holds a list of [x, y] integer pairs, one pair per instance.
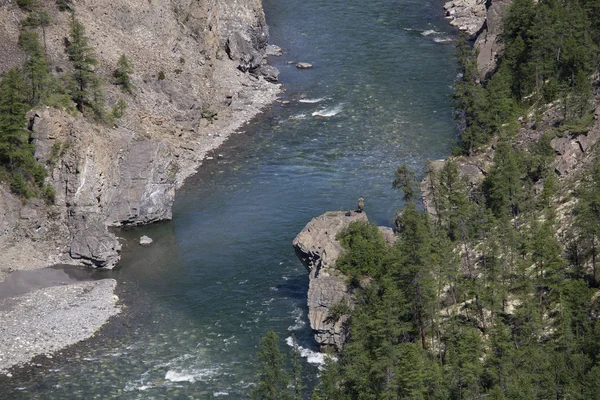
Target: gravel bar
{"points": [[50, 319]]}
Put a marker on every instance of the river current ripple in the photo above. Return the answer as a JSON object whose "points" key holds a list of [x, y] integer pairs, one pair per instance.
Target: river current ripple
{"points": [[223, 272]]}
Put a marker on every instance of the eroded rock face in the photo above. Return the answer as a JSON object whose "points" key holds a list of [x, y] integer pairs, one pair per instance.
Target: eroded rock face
{"points": [[571, 149], [483, 21], [316, 245], [127, 173], [488, 44]]}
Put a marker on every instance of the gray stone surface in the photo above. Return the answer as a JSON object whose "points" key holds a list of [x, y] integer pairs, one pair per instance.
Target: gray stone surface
{"points": [[127, 174], [467, 15], [316, 245], [488, 43], [270, 73], [50, 319], [273, 50], [146, 184], [304, 65]]}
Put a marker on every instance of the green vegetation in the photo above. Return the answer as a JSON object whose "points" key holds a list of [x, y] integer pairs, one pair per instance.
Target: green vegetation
{"points": [[551, 53], [119, 109], [65, 5], [33, 85], [121, 74], [16, 153], [366, 250], [84, 85], [484, 298], [274, 382]]}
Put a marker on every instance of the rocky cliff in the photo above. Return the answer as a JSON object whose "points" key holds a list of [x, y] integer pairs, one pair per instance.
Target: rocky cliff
{"points": [[318, 248], [199, 72], [482, 21]]}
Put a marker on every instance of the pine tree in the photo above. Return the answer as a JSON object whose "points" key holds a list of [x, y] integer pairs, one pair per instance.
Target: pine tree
{"points": [[296, 372], [587, 217], [121, 74], [14, 146], [404, 180], [273, 381], [35, 68], [85, 85]]}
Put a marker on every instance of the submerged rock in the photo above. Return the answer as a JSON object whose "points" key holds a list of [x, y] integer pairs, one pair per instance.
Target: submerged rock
{"points": [[145, 240]]}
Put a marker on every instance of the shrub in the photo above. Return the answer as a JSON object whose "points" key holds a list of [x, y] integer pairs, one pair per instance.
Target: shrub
{"points": [[48, 194], [19, 186], [119, 109]]}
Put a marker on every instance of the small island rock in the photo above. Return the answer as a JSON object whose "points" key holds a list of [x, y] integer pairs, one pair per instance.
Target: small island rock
{"points": [[303, 65], [145, 240]]}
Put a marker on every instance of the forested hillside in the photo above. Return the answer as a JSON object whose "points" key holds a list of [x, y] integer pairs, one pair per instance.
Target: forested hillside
{"points": [[494, 292]]}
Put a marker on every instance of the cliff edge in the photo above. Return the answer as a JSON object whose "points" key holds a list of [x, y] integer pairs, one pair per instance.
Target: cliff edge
{"points": [[199, 72]]}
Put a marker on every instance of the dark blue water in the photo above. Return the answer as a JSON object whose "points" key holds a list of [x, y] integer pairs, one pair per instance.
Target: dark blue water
{"points": [[223, 272]]}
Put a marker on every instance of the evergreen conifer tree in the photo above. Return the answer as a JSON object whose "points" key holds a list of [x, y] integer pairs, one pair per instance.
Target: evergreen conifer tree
{"points": [[14, 147], [85, 85], [35, 67], [121, 74], [274, 381]]}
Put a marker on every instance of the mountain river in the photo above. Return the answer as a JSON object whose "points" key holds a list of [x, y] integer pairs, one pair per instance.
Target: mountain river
{"points": [[223, 271]]}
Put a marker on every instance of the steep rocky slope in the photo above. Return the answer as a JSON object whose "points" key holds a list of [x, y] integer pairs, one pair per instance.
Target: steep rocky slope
{"points": [[198, 72]]}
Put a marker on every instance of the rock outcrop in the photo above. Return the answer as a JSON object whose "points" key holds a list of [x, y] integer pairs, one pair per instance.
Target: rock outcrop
{"points": [[483, 22], [318, 248], [467, 15], [488, 44], [200, 72], [571, 149]]}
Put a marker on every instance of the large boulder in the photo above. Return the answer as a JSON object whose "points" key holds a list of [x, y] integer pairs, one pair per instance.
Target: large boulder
{"points": [[318, 248]]}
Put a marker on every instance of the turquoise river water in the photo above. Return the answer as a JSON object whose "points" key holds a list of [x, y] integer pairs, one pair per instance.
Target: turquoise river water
{"points": [[223, 271]]}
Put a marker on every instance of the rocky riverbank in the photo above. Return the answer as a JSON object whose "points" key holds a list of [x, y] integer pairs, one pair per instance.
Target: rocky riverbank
{"points": [[482, 21], [200, 73], [50, 319]]}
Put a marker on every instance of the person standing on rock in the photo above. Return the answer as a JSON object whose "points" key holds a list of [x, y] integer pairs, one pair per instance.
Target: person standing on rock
{"points": [[361, 204]]}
